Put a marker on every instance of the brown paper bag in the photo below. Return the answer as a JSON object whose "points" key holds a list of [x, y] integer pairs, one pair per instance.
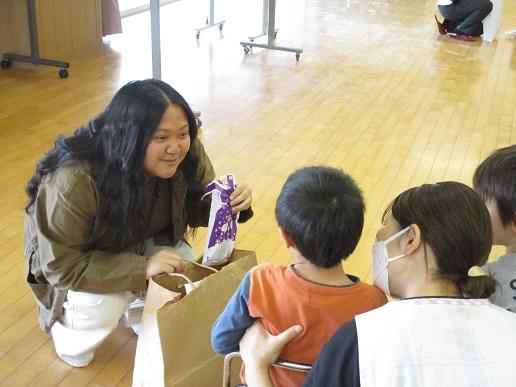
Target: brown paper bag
{"points": [[173, 346]]}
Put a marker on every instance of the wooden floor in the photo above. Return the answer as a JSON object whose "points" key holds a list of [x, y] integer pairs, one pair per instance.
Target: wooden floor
{"points": [[377, 92]]}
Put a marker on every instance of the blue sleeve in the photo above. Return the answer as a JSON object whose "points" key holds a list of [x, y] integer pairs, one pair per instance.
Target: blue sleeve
{"points": [[231, 325]]}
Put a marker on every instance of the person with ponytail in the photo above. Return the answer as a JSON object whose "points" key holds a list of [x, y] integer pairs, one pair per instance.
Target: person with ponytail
{"points": [[443, 331], [109, 207]]}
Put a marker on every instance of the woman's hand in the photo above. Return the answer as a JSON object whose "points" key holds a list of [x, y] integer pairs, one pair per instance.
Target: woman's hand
{"points": [[259, 349], [163, 261], [241, 199]]}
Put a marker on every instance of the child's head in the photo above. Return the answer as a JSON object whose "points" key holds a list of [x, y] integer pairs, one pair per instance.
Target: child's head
{"points": [[321, 210], [495, 182]]}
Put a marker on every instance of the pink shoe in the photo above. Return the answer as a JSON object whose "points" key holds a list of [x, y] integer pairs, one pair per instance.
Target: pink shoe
{"points": [[464, 38]]}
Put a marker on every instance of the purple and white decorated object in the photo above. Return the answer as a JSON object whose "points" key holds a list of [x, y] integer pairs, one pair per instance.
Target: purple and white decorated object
{"points": [[222, 226]]}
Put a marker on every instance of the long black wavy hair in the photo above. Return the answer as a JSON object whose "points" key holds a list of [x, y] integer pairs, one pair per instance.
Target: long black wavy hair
{"points": [[114, 144]]}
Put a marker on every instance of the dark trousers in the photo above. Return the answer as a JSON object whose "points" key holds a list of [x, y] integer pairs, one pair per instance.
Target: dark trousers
{"points": [[465, 16]]}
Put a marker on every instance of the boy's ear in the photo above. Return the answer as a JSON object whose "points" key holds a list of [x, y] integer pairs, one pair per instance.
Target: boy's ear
{"points": [[286, 238]]}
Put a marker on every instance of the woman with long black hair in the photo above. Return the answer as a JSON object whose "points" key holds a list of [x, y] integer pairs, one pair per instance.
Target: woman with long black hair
{"points": [[109, 207]]}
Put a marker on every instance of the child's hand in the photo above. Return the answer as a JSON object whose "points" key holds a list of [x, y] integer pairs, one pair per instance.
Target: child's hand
{"points": [[241, 199]]}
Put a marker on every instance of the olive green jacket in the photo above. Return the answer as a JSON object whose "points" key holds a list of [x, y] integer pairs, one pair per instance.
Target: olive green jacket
{"points": [[62, 220]]}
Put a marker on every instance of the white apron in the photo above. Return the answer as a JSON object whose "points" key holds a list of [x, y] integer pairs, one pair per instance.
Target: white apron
{"points": [[437, 342]]}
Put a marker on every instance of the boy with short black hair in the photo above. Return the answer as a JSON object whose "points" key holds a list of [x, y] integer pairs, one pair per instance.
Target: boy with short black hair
{"points": [[320, 214], [495, 182]]}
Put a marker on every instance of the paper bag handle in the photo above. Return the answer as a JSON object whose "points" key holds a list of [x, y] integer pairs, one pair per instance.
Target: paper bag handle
{"points": [[195, 264], [182, 276]]}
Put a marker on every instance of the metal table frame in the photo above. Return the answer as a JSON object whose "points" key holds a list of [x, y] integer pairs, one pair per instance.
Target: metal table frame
{"points": [[34, 57], [155, 39], [156, 48], [210, 21], [155, 34], [268, 25]]}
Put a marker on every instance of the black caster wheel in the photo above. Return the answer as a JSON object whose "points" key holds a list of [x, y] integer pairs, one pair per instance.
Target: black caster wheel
{"points": [[221, 26], [197, 35], [6, 63], [247, 50], [63, 73], [297, 57]]}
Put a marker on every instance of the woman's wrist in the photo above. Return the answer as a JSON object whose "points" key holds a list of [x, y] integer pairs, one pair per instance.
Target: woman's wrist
{"points": [[257, 375]]}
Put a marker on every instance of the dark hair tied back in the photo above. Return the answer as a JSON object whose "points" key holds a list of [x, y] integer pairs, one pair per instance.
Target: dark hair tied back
{"points": [[477, 287], [455, 224]]}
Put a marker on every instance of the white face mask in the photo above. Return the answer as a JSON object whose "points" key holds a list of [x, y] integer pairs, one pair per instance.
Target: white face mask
{"points": [[381, 260]]}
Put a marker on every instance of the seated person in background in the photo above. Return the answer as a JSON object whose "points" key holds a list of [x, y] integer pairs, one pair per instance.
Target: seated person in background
{"points": [[463, 18], [443, 331], [495, 182], [320, 213]]}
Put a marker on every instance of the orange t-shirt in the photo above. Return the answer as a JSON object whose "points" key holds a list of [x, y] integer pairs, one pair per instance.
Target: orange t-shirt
{"points": [[280, 298]]}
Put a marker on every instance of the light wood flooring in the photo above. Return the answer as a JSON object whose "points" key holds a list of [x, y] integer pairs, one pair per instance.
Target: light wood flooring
{"points": [[377, 92]]}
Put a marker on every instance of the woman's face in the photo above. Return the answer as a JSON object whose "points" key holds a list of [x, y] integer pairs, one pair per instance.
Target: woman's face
{"points": [[169, 144]]}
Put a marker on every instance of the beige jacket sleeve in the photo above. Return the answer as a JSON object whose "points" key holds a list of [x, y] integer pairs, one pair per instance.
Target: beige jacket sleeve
{"points": [[65, 211]]}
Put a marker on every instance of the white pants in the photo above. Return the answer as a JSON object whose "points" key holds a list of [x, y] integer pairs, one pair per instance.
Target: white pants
{"points": [[89, 318]]}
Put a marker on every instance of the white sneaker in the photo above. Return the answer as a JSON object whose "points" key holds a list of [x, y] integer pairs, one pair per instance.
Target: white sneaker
{"points": [[511, 33]]}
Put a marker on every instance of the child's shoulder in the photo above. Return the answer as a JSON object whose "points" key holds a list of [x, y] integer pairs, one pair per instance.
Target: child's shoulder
{"points": [[265, 268], [365, 287], [266, 279], [503, 263], [268, 273], [371, 291]]}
